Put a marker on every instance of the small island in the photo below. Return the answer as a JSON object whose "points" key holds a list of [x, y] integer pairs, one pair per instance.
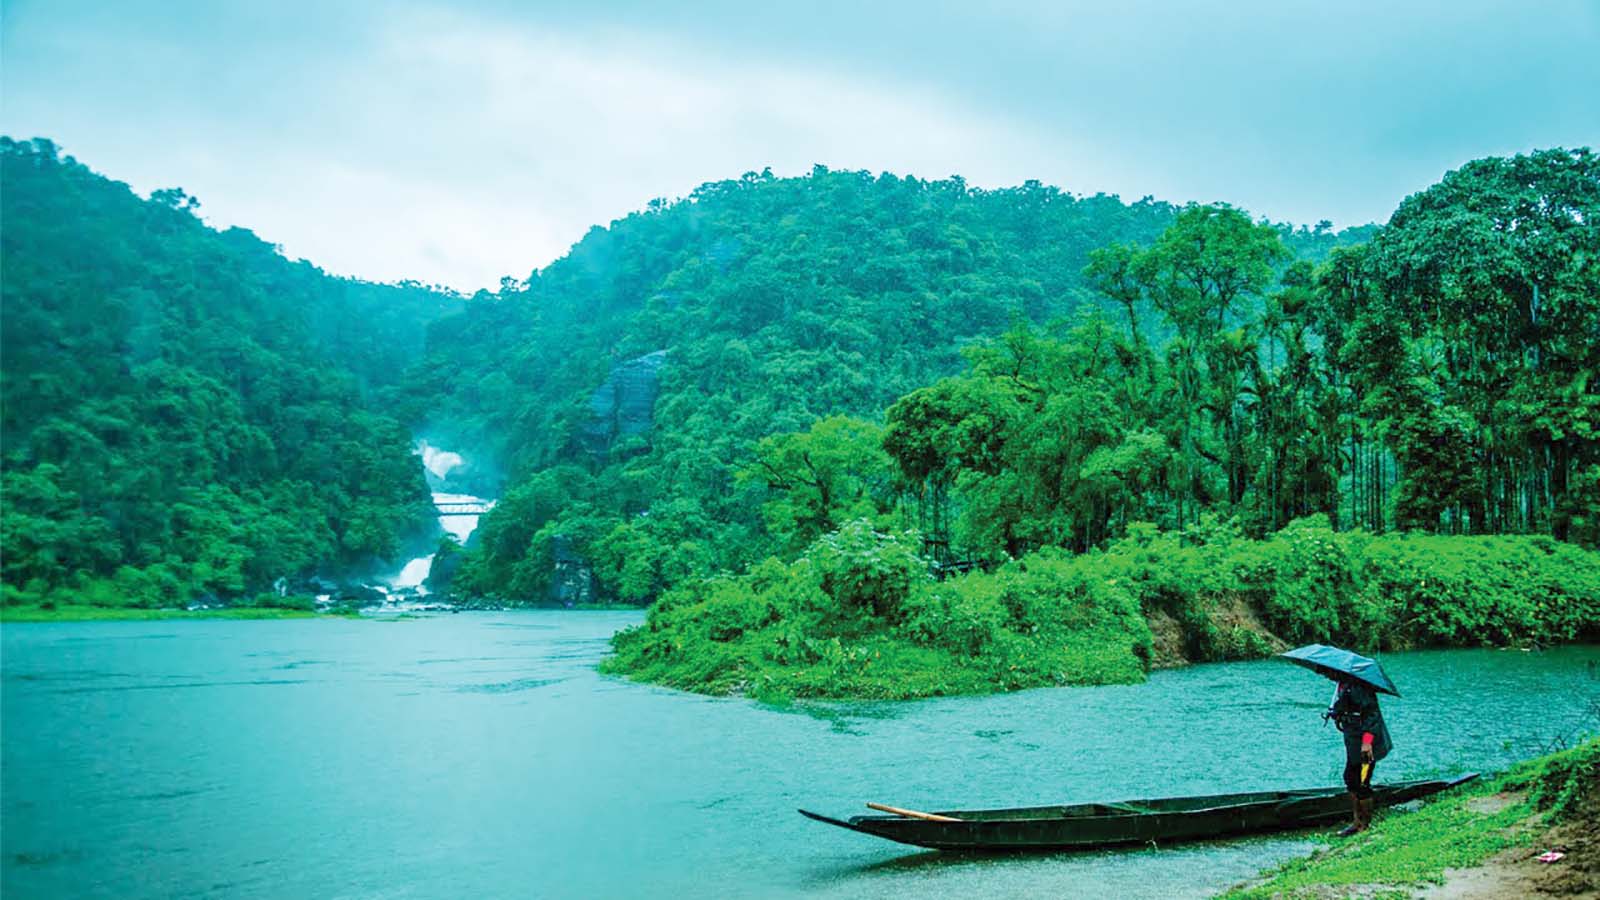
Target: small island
{"points": [[858, 616]]}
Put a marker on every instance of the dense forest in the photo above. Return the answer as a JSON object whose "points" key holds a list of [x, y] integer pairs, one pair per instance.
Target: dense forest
{"points": [[777, 372], [1304, 421], [186, 413], [1158, 364], [778, 302]]}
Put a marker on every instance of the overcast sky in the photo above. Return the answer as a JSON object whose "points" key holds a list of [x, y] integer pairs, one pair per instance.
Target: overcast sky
{"points": [[455, 143]]}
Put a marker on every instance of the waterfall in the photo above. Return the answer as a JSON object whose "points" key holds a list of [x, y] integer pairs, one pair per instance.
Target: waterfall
{"points": [[460, 525], [437, 461]]}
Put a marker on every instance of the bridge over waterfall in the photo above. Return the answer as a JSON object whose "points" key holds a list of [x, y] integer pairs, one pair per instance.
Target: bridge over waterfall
{"points": [[459, 507]]}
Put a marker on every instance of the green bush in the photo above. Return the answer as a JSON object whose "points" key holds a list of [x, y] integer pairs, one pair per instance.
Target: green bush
{"points": [[864, 569], [857, 616], [961, 615], [1309, 583], [1562, 783]]}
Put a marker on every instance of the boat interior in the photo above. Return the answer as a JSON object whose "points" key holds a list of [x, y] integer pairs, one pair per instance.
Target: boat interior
{"points": [[1134, 807]]}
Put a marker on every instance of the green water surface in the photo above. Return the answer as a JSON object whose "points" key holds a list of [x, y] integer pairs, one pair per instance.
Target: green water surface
{"points": [[480, 755]]}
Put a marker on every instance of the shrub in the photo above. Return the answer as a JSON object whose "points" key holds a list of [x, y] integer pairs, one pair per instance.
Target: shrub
{"points": [[864, 569], [857, 616]]}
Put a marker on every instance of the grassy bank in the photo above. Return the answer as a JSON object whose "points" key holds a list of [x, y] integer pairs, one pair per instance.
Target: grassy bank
{"points": [[1550, 801], [856, 615], [128, 613]]}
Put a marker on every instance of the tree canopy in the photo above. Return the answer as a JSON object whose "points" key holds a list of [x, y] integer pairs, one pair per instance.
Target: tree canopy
{"points": [[186, 412], [781, 303]]}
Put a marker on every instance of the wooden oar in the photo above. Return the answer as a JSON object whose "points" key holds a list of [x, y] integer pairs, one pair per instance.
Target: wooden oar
{"points": [[910, 813]]}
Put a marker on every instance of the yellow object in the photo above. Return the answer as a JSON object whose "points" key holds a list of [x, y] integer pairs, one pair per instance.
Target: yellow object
{"points": [[911, 813]]}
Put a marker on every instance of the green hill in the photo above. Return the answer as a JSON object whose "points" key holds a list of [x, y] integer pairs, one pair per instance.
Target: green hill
{"points": [[186, 412], [625, 387], [1397, 447]]}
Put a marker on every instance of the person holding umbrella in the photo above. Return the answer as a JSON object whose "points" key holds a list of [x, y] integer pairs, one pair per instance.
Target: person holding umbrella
{"points": [[1355, 713]]}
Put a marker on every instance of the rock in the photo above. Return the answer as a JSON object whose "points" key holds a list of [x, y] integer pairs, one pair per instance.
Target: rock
{"points": [[358, 595], [574, 582], [443, 570], [624, 405]]}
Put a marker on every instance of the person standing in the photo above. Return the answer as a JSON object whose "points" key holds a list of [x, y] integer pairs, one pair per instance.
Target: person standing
{"points": [[1366, 741]]}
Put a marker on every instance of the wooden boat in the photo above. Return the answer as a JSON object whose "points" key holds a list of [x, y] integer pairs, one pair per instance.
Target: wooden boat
{"points": [[1165, 820]]}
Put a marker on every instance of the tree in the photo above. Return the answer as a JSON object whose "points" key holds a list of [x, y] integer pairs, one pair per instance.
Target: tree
{"points": [[832, 472]]}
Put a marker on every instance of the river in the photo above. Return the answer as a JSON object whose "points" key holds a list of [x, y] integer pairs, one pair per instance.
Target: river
{"points": [[480, 755]]}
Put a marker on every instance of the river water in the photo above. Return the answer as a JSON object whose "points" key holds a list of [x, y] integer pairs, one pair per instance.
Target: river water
{"points": [[480, 755]]}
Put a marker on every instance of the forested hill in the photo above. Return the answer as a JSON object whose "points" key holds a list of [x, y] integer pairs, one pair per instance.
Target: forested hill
{"points": [[626, 386], [1398, 447], [186, 412]]}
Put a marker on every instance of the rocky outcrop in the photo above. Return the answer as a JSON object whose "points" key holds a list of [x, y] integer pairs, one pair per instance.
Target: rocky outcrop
{"points": [[574, 582], [624, 405]]}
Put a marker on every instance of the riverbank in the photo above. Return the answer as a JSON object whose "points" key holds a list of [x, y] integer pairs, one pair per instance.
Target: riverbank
{"points": [[128, 613], [1480, 842], [857, 617]]}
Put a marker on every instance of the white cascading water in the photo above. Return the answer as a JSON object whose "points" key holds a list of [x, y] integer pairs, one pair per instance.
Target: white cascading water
{"points": [[458, 525]]}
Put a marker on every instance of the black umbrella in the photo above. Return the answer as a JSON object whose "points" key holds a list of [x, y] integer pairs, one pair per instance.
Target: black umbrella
{"points": [[1341, 664]]}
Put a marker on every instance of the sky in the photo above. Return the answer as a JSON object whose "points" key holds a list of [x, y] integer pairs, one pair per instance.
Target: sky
{"points": [[459, 143]]}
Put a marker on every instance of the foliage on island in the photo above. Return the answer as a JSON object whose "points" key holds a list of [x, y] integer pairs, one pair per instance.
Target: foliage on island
{"points": [[186, 413], [858, 615]]}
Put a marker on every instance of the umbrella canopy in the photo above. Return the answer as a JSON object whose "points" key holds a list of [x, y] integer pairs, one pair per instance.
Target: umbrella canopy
{"points": [[1342, 664]]}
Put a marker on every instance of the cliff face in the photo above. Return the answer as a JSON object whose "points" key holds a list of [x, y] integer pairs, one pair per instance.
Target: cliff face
{"points": [[574, 582], [623, 405]]}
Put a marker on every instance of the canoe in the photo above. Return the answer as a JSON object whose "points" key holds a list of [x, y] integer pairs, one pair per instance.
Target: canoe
{"points": [[1166, 820]]}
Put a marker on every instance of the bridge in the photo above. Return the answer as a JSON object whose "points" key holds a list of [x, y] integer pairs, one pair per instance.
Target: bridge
{"points": [[463, 507]]}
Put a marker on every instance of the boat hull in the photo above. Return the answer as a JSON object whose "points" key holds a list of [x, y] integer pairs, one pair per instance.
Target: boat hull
{"points": [[1157, 821]]}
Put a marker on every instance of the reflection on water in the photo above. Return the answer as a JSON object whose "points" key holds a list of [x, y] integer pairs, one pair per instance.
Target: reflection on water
{"points": [[481, 755]]}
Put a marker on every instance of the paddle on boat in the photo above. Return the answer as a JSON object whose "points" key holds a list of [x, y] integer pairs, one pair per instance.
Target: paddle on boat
{"points": [[1086, 825]]}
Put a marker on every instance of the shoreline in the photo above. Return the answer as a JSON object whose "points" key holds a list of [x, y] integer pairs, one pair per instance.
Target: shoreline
{"points": [[86, 613], [1479, 842], [77, 613]]}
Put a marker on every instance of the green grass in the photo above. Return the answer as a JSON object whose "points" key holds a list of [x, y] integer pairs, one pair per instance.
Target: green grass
{"points": [[1403, 849], [1406, 850], [128, 613]]}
